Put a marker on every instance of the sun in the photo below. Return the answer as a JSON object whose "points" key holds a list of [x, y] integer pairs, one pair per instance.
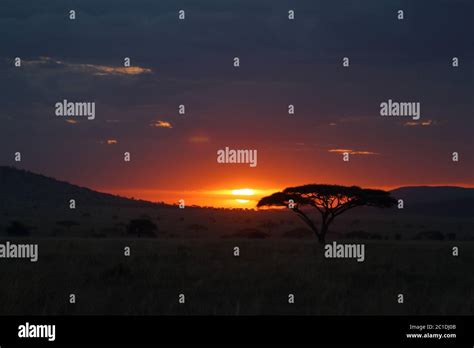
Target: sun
{"points": [[243, 192], [242, 201]]}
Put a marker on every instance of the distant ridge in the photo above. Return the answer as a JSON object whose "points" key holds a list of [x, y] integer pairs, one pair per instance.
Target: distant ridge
{"points": [[26, 190], [23, 190], [437, 200]]}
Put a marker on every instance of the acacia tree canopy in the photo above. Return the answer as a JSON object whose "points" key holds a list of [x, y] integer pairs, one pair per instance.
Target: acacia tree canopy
{"points": [[329, 200]]}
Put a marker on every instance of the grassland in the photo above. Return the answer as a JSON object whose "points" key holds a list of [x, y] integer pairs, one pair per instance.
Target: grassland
{"points": [[258, 281]]}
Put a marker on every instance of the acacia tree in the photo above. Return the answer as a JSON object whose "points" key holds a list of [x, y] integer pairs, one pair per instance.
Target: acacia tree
{"points": [[329, 200]]}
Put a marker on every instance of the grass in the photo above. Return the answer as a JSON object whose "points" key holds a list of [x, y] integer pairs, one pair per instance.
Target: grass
{"points": [[257, 282]]}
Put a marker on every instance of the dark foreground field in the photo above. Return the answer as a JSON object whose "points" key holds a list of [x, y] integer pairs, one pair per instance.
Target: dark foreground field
{"points": [[257, 282]]}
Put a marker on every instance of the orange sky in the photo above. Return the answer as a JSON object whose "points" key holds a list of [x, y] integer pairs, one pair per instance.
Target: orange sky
{"points": [[237, 197], [241, 197]]}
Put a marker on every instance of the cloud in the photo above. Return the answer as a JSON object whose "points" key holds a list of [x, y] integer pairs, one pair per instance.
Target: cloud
{"points": [[353, 152], [198, 139], [419, 123], [161, 124], [94, 69], [109, 141]]}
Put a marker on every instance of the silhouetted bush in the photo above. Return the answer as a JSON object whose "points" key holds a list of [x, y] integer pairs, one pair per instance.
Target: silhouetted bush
{"points": [[17, 228], [141, 227], [429, 235]]}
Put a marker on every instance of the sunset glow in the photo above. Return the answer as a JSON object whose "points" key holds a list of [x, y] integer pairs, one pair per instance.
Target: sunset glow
{"points": [[242, 201], [243, 192], [225, 198]]}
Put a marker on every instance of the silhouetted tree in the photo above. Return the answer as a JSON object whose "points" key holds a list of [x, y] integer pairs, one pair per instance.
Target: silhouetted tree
{"points": [[329, 200], [141, 227]]}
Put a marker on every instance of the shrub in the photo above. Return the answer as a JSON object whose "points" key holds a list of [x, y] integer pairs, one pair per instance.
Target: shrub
{"points": [[141, 227], [17, 228], [429, 235]]}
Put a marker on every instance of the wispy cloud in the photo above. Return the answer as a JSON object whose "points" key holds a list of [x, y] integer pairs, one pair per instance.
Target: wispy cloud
{"points": [[353, 152], [161, 124], [419, 123], [109, 142], [94, 69]]}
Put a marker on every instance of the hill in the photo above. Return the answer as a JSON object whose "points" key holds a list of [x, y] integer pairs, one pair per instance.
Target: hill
{"points": [[437, 200], [26, 190]]}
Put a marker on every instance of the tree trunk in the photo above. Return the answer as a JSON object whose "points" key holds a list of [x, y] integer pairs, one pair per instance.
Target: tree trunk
{"points": [[322, 233], [321, 239]]}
